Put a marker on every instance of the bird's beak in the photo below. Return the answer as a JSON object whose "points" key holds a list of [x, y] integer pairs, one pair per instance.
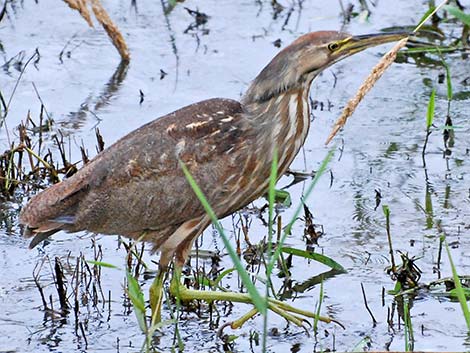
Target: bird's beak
{"points": [[356, 44]]}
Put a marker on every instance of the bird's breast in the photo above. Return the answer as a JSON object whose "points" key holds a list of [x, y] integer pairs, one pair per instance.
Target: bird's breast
{"points": [[282, 125], [293, 122]]}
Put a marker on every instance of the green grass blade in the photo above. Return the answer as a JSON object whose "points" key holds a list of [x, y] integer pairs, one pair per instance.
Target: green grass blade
{"points": [[386, 211], [458, 289], [430, 50], [299, 209], [283, 197], [430, 112], [362, 346], [222, 275], [448, 81], [102, 264], [457, 13], [318, 311], [325, 260], [453, 293], [137, 299], [428, 15], [160, 325], [271, 201], [428, 208], [425, 17], [258, 301], [408, 327]]}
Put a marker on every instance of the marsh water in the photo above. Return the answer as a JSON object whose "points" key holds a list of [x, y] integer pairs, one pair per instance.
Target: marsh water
{"points": [[176, 61]]}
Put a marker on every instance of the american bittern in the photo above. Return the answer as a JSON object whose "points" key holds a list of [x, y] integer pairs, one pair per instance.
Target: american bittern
{"points": [[136, 187]]}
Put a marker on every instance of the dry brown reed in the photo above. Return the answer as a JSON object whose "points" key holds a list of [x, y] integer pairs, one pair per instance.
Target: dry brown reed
{"points": [[81, 7], [103, 18], [366, 86], [376, 73], [110, 28]]}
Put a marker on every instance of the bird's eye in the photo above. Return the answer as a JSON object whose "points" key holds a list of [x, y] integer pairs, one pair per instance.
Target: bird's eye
{"points": [[333, 46]]}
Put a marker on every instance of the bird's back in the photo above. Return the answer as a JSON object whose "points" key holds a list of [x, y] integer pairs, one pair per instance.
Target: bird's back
{"points": [[137, 184]]}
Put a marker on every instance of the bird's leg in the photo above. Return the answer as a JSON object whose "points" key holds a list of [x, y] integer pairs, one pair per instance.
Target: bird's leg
{"points": [[288, 312], [156, 289], [156, 295], [184, 294]]}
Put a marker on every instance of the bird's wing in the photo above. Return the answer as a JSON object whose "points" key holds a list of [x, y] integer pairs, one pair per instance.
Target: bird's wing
{"points": [[137, 184]]}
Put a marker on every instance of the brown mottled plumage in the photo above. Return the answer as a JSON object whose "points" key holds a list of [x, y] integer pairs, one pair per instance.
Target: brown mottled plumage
{"points": [[136, 186]]}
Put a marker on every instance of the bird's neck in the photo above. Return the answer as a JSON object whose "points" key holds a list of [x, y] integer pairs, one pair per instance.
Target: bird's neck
{"points": [[282, 122]]}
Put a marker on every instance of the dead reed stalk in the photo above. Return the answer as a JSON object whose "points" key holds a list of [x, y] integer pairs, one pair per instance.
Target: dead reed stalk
{"points": [[374, 76], [81, 7], [103, 18], [366, 86], [110, 28]]}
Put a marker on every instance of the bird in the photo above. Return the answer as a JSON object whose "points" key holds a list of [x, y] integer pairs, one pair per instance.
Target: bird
{"points": [[137, 188]]}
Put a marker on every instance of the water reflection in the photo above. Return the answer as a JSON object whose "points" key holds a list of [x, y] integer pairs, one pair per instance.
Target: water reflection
{"points": [[93, 104]]}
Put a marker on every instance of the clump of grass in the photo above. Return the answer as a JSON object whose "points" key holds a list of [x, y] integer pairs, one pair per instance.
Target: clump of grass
{"points": [[407, 274], [75, 291], [26, 163], [136, 296]]}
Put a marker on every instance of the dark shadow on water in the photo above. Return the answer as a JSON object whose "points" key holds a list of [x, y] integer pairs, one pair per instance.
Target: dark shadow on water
{"points": [[309, 284], [92, 105], [466, 341]]}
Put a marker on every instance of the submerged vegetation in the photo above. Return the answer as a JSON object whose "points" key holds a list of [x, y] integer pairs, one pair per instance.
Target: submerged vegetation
{"points": [[273, 241]]}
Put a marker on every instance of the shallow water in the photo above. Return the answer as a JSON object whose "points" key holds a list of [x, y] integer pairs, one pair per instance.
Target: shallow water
{"points": [[380, 149]]}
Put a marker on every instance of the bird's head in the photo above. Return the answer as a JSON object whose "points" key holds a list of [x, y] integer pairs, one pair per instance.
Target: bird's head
{"points": [[299, 63]]}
